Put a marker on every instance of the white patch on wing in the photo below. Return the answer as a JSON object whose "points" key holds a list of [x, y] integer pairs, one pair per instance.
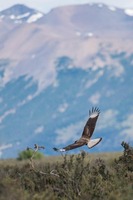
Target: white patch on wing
{"points": [[93, 142], [62, 150], [94, 114], [94, 99]]}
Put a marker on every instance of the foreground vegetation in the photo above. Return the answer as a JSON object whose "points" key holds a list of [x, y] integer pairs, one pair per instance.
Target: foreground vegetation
{"points": [[74, 177]]}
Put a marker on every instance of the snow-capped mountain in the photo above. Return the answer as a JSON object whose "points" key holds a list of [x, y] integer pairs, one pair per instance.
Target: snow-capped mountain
{"points": [[20, 13], [55, 68]]}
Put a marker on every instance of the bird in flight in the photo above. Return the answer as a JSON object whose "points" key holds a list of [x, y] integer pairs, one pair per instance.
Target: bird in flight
{"points": [[87, 133]]}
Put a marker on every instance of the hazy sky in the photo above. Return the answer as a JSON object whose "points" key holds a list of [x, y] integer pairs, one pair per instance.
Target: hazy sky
{"points": [[46, 5]]}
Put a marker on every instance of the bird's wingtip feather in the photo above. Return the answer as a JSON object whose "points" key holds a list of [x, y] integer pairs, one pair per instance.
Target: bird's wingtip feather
{"points": [[94, 112]]}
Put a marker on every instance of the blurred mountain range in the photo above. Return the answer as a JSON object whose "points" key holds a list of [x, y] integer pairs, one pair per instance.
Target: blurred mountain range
{"points": [[54, 67]]}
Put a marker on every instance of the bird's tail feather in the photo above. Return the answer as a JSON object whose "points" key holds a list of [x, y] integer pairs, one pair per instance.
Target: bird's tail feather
{"points": [[93, 142]]}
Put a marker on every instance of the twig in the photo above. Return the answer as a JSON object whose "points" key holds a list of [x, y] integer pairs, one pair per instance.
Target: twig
{"points": [[36, 148], [52, 173]]}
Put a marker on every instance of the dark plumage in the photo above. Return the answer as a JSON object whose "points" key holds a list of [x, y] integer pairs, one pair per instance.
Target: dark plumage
{"points": [[87, 133]]}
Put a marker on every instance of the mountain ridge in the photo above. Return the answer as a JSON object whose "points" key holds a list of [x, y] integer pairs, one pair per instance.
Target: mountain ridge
{"points": [[51, 74]]}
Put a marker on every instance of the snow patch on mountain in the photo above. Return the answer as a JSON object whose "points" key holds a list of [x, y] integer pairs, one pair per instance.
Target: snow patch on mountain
{"points": [[27, 99], [129, 12], [100, 5], [89, 34], [17, 21], [19, 16], [43, 76], [34, 17], [112, 8], [8, 72], [116, 70], [2, 16]]}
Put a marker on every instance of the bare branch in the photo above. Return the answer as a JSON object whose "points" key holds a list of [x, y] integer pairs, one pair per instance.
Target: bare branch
{"points": [[36, 148]]}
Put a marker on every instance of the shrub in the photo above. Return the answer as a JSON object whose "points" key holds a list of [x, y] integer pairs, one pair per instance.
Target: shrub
{"points": [[75, 178], [27, 154], [127, 157]]}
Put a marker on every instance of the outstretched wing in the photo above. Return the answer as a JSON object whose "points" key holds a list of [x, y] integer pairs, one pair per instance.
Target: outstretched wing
{"points": [[71, 146], [91, 123]]}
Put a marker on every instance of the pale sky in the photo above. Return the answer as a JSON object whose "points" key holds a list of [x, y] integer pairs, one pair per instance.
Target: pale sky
{"points": [[46, 5]]}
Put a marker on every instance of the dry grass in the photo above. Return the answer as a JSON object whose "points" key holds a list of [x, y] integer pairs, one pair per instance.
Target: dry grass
{"points": [[94, 176], [108, 157]]}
